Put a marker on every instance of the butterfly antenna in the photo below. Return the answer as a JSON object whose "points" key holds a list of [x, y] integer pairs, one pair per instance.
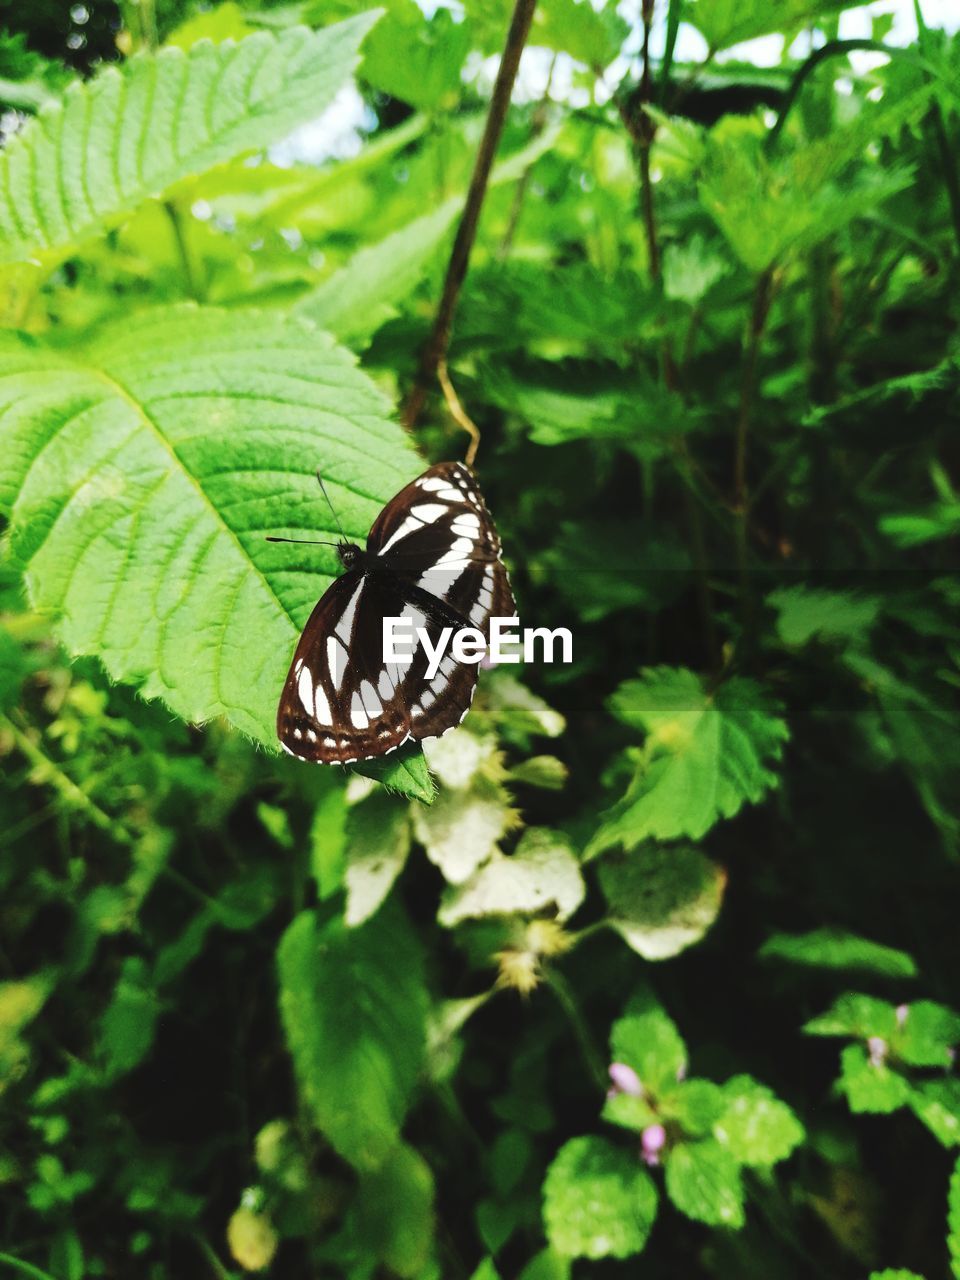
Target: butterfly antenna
{"points": [[305, 542], [323, 490]]}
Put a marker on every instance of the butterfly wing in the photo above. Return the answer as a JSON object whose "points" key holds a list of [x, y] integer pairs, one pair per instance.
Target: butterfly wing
{"points": [[438, 564], [439, 537]]}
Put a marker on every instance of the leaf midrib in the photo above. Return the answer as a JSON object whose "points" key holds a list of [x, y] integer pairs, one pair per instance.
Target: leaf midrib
{"points": [[127, 396]]}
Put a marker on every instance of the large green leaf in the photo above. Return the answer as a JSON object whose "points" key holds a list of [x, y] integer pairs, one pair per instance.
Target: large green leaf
{"points": [[141, 475], [707, 752], [133, 132], [354, 1008]]}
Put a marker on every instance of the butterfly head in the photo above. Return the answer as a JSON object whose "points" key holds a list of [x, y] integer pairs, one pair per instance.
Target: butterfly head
{"points": [[349, 553]]}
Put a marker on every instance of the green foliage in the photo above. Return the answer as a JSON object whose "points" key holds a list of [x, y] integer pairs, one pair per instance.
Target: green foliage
{"points": [[598, 1201], [130, 134], [706, 753], [258, 1016], [354, 1007], [661, 900], [838, 949]]}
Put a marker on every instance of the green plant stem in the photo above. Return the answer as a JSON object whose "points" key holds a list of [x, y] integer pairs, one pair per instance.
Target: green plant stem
{"points": [[24, 1268], [435, 348], [591, 1055], [832, 49], [74, 797], [148, 24], [191, 273]]}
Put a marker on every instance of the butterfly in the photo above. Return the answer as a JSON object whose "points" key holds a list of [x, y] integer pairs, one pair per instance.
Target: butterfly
{"points": [[433, 556]]}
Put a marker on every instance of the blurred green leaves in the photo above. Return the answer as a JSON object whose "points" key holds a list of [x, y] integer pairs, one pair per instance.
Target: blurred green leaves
{"points": [[134, 133], [354, 1006]]}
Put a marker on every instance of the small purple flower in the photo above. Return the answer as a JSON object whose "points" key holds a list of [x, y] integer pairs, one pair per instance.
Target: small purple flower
{"points": [[877, 1050], [624, 1080], [652, 1141], [902, 1011]]}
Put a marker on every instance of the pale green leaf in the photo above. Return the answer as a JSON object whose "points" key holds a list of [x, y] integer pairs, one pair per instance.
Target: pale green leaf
{"points": [[135, 131], [395, 1212], [853, 1014], [695, 1105], [661, 899], [896, 1273], [838, 949], [870, 1086], [756, 1127], [703, 1181], [459, 755], [927, 1034], [142, 474], [546, 772], [598, 1201], [354, 1009], [521, 711], [649, 1042], [415, 58], [541, 872], [461, 828], [20, 1002], [589, 33], [356, 300], [937, 1104], [690, 268], [707, 753], [723, 23], [378, 841]]}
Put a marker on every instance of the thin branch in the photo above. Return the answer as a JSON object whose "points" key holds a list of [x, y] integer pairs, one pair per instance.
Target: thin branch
{"points": [[436, 346], [458, 413]]}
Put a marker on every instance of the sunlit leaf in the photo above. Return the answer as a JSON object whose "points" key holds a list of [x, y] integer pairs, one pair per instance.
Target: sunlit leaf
{"points": [[133, 132], [707, 753], [354, 1009], [598, 1201], [142, 474]]}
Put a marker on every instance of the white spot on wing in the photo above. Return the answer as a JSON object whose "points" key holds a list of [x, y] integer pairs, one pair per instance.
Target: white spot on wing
{"points": [[336, 661], [428, 512], [385, 684], [408, 526], [305, 690], [358, 716], [344, 627], [371, 703], [322, 706]]}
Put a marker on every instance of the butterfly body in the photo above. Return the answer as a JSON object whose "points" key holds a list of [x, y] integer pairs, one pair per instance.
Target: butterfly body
{"points": [[432, 558]]}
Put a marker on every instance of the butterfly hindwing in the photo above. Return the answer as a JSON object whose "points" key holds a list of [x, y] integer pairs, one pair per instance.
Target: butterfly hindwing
{"points": [[432, 556]]}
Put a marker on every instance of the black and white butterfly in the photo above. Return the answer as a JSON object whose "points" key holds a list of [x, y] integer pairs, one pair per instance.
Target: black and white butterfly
{"points": [[432, 555]]}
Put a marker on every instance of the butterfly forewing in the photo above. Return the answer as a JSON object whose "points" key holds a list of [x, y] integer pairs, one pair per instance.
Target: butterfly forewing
{"points": [[433, 556]]}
